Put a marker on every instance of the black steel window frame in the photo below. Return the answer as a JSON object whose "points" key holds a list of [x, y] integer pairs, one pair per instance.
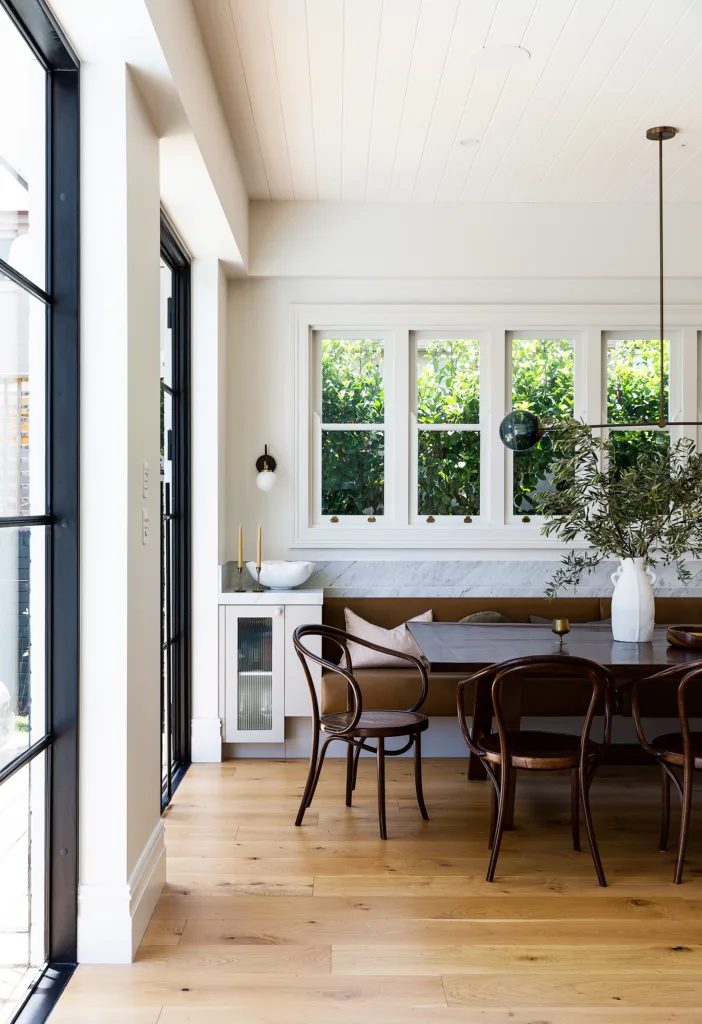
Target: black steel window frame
{"points": [[61, 299], [175, 513]]}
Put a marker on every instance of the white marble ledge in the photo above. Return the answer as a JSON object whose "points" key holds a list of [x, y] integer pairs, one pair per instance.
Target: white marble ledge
{"points": [[481, 579]]}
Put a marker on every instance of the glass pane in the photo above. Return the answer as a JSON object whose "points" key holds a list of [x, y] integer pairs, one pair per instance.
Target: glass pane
{"points": [[22, 154], [352, 381], [448, 381], [449, 472], [22, 402], [543, 382], [353, 472], [633, 381], [629, 445], [22, 650], [166, 332], [22, 859], [255, 674]]}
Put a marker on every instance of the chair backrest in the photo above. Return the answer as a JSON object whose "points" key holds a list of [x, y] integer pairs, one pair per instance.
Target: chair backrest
{"points": [[534, 668], [687, 675], [345, 667]]}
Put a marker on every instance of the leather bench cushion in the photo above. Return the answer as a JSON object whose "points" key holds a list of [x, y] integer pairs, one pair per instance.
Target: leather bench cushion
{"points": [[669, 610], [391, 611], [394, 689]]}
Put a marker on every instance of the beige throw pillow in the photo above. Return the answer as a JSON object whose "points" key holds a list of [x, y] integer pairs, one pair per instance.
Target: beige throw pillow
{"points": [[397, 639]]}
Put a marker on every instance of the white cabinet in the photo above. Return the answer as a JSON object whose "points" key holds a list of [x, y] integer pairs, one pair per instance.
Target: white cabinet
{"points": [[254, 674], [263, 680], [297, 692]]}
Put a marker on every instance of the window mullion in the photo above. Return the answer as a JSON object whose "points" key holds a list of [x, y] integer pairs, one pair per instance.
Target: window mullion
{"points": [[493, 406], [683, 382], [397, 428], [590, 384]]}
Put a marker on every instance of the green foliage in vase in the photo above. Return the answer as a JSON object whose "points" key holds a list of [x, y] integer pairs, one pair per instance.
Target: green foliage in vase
{"points": [[652, 510]]}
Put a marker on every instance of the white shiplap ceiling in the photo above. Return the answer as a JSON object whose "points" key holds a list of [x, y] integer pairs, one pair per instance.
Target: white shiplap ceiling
{"points": [[371, 99]]}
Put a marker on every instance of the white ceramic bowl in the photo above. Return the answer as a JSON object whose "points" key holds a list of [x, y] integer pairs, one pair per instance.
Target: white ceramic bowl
{"points": [[282, 575]]}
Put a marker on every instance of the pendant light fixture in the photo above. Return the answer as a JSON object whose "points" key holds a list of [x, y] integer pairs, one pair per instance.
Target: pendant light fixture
{"points": [[521, 430]]}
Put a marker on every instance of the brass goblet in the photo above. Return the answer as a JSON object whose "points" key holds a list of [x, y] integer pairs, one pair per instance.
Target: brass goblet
{"points": [[560, 627]]}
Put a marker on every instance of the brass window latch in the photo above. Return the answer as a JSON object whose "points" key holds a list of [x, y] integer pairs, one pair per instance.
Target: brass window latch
{"points": [[371, 519], [334, 519], [467, 519], [430, 519]]}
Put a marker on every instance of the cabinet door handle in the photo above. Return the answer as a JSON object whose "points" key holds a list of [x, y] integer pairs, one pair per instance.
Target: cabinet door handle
{"points": [[277, 611]]}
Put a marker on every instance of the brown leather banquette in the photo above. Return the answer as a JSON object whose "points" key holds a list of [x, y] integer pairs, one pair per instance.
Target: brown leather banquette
{"points": [[394, 687]]}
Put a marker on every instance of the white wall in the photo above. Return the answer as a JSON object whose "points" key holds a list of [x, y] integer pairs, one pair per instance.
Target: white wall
{"points": [[209, 406], [469, 241], [122, 855]]}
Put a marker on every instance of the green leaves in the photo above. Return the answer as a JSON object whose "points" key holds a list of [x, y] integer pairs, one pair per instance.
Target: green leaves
{"points": [[650, 508]]}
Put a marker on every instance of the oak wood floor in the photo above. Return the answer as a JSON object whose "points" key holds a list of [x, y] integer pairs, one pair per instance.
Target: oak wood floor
{"points": [[263, 923]]}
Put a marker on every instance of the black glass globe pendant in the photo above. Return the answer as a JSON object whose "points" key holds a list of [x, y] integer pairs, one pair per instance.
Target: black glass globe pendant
{"points": [[520, 430]]}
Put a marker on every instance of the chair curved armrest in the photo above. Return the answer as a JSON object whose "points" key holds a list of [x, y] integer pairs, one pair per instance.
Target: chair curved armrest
{"points": [[342, 638], [304, 653], [477, 677]]}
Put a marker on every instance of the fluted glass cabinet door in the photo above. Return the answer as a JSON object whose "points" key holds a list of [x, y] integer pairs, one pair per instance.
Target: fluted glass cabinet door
{"points": [[254, 660]]}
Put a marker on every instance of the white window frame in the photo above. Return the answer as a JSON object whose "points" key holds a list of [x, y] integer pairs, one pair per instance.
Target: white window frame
{"points": [[579, 403], [496, 529], [420, 521]]}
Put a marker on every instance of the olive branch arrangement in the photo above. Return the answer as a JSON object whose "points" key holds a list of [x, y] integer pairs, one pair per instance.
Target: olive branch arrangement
{"points": [[650, 510]]}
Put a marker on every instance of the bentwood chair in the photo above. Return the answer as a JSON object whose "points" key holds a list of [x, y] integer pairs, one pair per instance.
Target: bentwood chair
{"points": [[674, 750], [356, 726], [508, 750]]}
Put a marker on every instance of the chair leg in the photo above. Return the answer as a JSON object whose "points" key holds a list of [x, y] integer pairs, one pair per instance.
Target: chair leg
{"points": [[587, 814], [418, 775], [505, 779], [318, 770], [381, 788], [684, 823], [575, 809], [350, 751], [304, 804], [494, 797], [357, 754], [665, 810]]}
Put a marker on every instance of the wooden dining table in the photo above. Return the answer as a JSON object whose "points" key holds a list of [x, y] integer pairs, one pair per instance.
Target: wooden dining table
{"points": [[462, 647]]}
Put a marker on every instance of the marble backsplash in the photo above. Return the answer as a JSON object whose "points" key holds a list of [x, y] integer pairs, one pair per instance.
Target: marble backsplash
{"points": [[472, 579]]}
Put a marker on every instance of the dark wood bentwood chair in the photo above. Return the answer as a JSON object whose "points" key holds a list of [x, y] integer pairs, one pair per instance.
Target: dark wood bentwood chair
{"points": [[355, 725], [674, 750], [505, 751]]}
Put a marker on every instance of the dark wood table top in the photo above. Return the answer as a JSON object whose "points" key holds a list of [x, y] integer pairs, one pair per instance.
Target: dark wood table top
{"points": [[467, 647]]}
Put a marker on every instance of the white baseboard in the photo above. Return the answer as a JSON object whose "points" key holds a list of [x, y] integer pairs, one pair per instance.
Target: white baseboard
{"points": [[206, 740], [112, 919]]}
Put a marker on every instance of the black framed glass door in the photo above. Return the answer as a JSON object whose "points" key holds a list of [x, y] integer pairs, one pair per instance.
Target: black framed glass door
{"points": [[39, 506], [175, 511]]}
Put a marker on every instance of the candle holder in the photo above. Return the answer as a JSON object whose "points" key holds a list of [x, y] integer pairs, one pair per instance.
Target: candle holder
{"points": [[241, 589], [560, 627], [258, 589]]}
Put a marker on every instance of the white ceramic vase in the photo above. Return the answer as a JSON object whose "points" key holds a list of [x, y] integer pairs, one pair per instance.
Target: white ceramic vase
{"points": [[633, 609]]}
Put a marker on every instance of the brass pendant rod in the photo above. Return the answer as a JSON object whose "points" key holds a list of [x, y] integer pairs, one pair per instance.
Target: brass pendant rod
{"points": [[662, 417]]}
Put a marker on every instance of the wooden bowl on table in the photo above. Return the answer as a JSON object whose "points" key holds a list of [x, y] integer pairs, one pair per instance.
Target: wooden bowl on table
{"points": [[685, 636]]}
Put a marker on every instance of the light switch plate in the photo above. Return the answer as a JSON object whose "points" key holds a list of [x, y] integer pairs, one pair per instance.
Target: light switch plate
{"points": [[145, 526], [145, 481]]}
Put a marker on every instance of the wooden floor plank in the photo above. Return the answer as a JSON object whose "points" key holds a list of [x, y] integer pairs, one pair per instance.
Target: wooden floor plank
{"points": [[263, 922]]}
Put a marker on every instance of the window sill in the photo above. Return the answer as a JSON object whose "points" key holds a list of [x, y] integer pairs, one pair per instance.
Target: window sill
{"points": [[428, 536]]}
